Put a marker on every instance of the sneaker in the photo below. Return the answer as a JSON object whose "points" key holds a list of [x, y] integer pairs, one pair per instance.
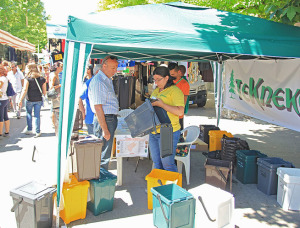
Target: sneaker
{"points": [[28, 132], [37, 135], [6, 134]]}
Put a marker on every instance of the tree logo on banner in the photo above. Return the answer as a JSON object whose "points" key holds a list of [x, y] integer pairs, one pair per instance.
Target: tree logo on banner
{"points": [[231, 85]]}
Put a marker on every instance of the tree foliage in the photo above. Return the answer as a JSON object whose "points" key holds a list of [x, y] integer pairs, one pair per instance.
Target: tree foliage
{"points": [[284, 11], [25, 19]]}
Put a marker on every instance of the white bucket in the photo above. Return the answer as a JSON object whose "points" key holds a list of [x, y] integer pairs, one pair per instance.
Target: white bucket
{"points": [[288, 189]]}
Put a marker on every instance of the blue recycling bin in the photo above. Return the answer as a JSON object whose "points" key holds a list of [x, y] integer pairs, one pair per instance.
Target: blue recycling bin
{"points": [[173, 207]]}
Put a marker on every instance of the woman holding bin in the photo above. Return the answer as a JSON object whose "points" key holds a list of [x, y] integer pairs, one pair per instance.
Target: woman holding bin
{"points": [[171, 99]]}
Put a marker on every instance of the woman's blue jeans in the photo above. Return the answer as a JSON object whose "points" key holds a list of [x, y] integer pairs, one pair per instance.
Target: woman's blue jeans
{"points": [[166, 163], [36, 106]]}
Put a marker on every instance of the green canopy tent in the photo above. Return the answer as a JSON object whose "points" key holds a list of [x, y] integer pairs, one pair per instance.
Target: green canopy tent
{"points": [[164, 32]]}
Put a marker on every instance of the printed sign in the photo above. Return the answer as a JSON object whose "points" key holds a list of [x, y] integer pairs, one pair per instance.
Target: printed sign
{"points": [[265, 89], [126, 146]]}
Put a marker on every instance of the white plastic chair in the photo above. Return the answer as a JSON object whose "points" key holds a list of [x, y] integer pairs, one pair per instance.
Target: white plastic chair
{"points": [[191, 136]]}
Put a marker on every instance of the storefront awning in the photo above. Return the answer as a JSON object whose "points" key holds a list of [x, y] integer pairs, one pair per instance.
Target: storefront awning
{"points": [[8, 39]]}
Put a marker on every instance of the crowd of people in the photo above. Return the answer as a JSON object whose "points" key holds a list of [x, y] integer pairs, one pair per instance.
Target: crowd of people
{"points": [[98, 102], [30, 86]]}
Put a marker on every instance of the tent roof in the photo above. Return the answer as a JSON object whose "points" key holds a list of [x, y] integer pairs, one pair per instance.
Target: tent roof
{"points": [[179, 31], [15, 42], [56, 31]]}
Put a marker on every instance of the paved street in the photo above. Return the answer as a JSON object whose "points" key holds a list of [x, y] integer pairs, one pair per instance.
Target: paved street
{"points": [[253, 208]]}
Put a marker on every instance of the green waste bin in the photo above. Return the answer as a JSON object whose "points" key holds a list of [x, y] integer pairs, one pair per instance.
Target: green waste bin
{"points": [[246, 171], [102, 192], [173, 207]]}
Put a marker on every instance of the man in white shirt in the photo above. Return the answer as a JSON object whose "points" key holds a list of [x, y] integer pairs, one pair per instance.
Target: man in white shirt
{"points": [[105, 105], [16, 78]]}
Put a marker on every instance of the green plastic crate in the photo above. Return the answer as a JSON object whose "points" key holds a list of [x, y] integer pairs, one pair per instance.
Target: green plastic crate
{"points": [[173, 207], [102, 193], [246, 171]]}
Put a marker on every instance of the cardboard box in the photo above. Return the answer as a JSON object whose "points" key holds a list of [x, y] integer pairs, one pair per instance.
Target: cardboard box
{"points": [[199, 145]]}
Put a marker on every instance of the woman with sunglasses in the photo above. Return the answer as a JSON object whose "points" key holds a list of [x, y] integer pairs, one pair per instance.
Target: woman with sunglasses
{"points": [[171, 99]]}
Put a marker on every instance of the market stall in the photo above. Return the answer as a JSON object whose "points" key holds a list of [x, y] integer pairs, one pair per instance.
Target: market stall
{"points": [[8, 39], [13, 48], [152, 32]]}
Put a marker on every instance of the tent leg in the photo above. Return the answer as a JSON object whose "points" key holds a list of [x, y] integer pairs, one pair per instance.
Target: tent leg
{"points": [[219, 91], [57, 217]]}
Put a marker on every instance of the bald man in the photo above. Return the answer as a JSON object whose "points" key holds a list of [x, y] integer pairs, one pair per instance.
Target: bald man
{"points": [[105, 105]]}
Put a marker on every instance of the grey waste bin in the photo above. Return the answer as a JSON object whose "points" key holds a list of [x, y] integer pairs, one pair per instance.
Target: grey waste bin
{"points": [[267, 176], [86, 155], [33, 205], [142, 120]]}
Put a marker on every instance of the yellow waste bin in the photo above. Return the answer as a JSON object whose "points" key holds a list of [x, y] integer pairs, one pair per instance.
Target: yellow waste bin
{"points": [[165, 177], [74, 203], [215, 137]]}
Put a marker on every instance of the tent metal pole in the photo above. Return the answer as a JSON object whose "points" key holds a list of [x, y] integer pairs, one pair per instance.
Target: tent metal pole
{"points": [[219, 89]]}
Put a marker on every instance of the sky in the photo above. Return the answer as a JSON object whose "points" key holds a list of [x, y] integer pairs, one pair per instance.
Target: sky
{"points": [[61, 9]]}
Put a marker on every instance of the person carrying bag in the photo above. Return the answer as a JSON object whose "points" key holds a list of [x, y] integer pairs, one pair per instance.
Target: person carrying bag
{"points": [[170, 98], [34, 100], [45, 99]]}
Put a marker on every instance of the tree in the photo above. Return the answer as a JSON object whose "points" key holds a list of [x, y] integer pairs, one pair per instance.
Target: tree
{"points": [[24, 19], [283, 11], [231, 85]]}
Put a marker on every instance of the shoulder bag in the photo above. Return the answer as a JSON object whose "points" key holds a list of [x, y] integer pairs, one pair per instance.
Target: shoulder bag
{"points": [[43, 96], [10, 90], [52, 94]]}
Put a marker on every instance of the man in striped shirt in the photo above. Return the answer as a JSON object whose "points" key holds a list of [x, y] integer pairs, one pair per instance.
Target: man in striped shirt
{"points": [[104, 104]]}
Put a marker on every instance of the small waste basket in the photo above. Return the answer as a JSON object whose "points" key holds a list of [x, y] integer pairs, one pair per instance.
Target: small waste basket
{"points": [[215, 137], [288, 195], [217, 204], [136, 120], [246, 168], [216, 172], [159, 177], [173, 207], [267, 177], [33, 205], [74, 195], [102, 192], [86, 156], [204, 130]]}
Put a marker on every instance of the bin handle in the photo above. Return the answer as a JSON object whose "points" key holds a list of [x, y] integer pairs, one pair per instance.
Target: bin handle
{"points": [[163, 211], [16, 204], [159, 182], [33, 153], [222, 175], [206, 212]]}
